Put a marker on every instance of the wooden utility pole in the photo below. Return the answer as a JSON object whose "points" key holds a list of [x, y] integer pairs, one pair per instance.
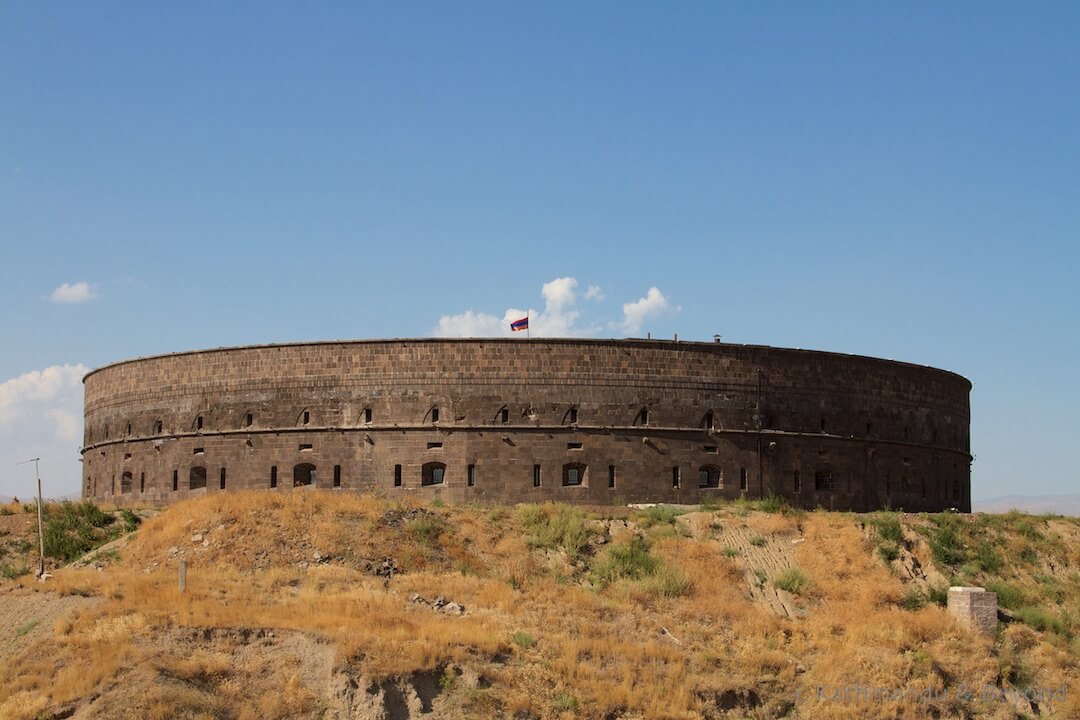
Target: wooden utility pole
{"points": [[40, 515]]}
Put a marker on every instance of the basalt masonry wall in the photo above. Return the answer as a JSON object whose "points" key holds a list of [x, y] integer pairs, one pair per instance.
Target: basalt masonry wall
{"points": [[512, 420]]}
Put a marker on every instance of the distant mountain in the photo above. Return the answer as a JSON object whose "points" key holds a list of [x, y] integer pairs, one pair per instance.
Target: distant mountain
{"points": [[1036, 504]]}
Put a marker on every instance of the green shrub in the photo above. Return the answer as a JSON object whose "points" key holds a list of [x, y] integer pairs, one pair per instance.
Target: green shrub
{"points": [[757, 541], [523, 639], [945, 543], [913, 600], [1040, 619], [668, 582], [987, 558], [564, 702], [658, 515], [1027, 529], [25, 628], [14, 571], [631, 560], [550, 526], [73, 529], [731, 552], [426, 529], [712, 502], [5, 510], [131, 520], [888, 528], [1008, 596], [793, 580], [888, 551]]}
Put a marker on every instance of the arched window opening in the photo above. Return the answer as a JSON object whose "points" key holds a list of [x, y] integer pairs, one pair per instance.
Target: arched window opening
{"points": [[303, 474], [642, 417], [197, 478], [432, 473], [573, 474], [158, 427], [707, 421], [125, 482], [709, 476], [198, 422], [248, 420]]}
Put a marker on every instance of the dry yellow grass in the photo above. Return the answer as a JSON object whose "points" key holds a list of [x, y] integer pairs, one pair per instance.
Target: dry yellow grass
{"points": [[281, 599]]}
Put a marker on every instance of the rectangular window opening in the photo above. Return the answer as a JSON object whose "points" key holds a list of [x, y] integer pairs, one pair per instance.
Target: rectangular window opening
{"points": [[675, 476], [536, 476], [306, 447], [142, 482], [367, 415], [175, 479], [434, 415], [742, 478], [337, 476], [273, 476], [127, 456], [198, 423], [307, 417], [397, 476], [199, 451], [611, 476], [471, 476], [573, 446], [434, 446], [710, 449], [221, 479], [573, 415], [504, 415]]}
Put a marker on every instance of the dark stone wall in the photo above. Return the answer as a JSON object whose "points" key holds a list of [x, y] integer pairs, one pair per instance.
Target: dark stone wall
{"points": [[662, 417]]}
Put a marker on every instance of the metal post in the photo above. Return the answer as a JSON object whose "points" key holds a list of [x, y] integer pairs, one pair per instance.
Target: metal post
{"points": [[40, 514]]}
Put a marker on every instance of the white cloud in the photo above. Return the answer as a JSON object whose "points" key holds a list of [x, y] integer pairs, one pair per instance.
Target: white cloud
{"points": [[66, 424], [41, 416], [651, 306], [560, 316], [470, 324], [559, 294], [38, 385], [73, 293]]}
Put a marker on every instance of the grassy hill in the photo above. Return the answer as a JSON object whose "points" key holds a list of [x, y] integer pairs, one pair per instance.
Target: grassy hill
{"points": [[323, 605]]}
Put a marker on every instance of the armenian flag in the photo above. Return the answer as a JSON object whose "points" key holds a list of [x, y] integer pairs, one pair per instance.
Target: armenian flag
{"points": [[522, 324]]}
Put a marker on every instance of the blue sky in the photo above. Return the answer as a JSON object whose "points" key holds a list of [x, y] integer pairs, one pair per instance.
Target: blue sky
{"points": [[896, 180]]}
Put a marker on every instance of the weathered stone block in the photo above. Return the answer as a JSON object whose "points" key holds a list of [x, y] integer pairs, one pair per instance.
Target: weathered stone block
{"points": [[975, 608]]}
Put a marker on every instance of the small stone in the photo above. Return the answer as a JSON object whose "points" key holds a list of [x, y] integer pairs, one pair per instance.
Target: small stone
{"points": [[453, 608], [197, 538]]}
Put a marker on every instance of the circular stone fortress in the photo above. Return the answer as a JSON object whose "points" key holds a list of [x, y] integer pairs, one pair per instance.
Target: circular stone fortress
{"points": [[514, 420]]}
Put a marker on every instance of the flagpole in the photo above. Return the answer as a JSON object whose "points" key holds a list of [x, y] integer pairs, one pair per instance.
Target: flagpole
{"points": [[528, 330]]}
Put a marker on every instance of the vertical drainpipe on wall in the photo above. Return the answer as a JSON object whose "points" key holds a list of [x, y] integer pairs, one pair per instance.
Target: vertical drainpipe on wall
{"points": [[757, 422]]}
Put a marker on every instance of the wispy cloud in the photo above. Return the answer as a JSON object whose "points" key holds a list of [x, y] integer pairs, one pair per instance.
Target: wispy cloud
{"points": [[73, 293], [560, 316]]}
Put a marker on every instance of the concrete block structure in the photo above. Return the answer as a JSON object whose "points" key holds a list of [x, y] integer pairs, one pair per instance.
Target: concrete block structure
{"points": [[513, 420], [975, 608]]}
